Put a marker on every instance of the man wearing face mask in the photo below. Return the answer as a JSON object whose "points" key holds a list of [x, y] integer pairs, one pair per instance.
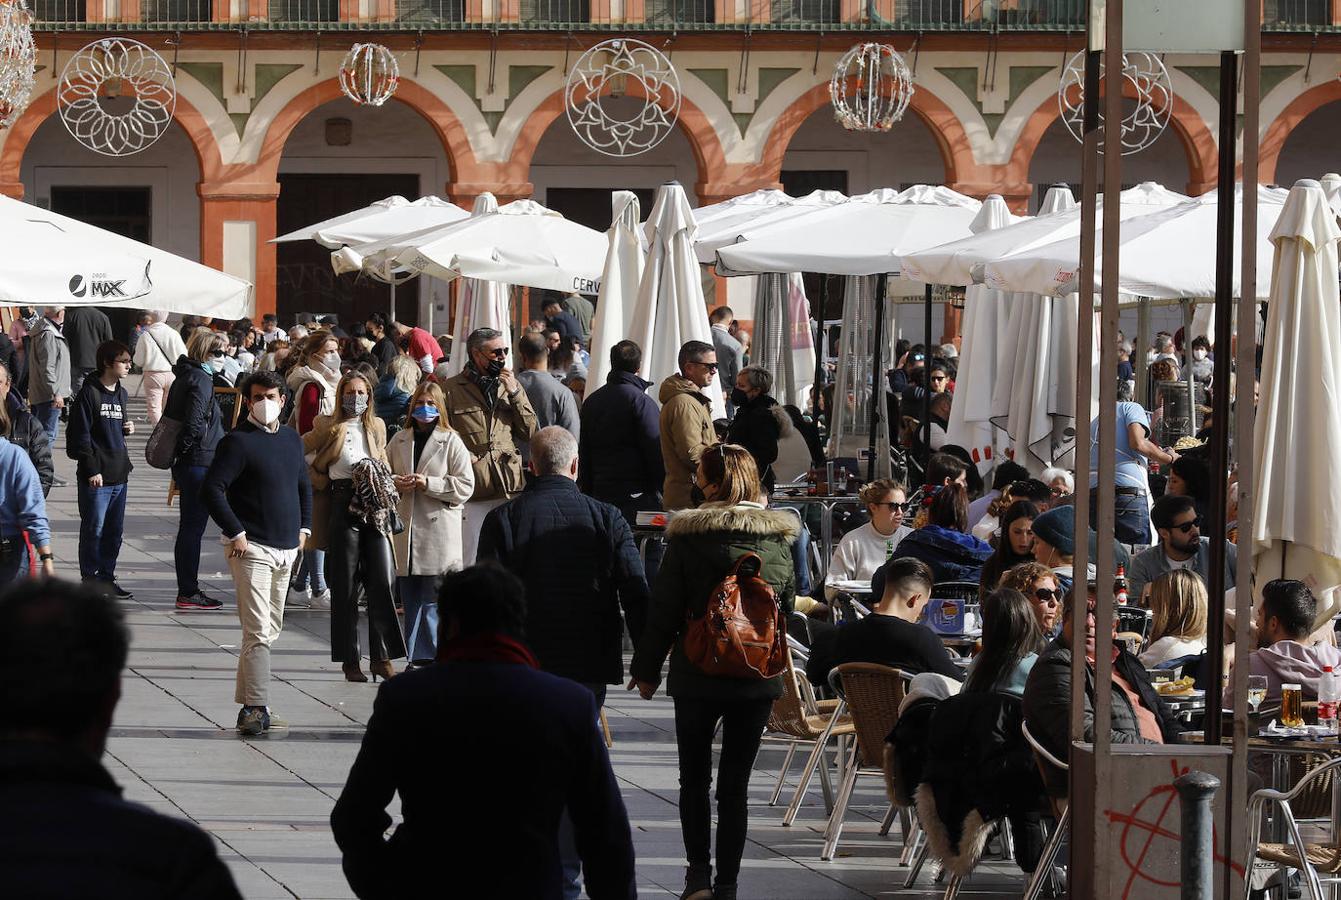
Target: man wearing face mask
{"points": [[488, 408], [760, 422], [1202, 365], [258, 492]]}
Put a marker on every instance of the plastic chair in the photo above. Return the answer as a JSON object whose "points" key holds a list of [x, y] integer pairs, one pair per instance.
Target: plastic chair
{"points": [[873, 694], [1061, 811], [1318, 862], [798, 718]]}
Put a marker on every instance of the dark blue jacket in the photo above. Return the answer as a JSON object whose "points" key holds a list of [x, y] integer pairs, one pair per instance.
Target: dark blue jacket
{"points": [[504, 751], [191, 402], [620, 450], [566, 324], [952, 555], [258, 483], [577, 558]]}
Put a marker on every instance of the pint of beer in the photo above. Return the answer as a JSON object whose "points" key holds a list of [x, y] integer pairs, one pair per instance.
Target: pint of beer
{"points": [[1291, 706]]}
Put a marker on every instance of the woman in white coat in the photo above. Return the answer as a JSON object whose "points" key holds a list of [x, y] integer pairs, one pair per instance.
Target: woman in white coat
{"points": [[434, 476]]}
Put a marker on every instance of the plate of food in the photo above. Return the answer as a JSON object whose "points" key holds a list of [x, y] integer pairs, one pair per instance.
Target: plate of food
{"points": [[1181, 688]]}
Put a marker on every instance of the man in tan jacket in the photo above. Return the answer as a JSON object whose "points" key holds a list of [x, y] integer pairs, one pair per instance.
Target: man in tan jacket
{"points": [[686, 421], [488, 408]]}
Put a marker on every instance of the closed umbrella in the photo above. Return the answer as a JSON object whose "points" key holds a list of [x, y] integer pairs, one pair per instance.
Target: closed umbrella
{"points": [[1297, 496], [670, 308], [619, 284], [53, 260], [479, 304], [782, 339], [970, 423]]}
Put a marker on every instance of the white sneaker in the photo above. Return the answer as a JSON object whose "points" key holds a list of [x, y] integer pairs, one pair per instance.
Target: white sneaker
{"points": [[299, 597], [321, 600]]}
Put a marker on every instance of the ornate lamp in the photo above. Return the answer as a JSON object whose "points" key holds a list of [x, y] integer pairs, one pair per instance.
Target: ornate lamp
{"points": [[369, 74], [870, 88]]}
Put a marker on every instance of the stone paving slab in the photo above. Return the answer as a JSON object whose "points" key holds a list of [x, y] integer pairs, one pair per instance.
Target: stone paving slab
{"points": [[267, 801]]}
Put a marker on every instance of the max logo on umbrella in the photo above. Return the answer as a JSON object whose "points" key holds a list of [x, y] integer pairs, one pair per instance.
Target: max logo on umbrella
{"points": [[100, 286]]}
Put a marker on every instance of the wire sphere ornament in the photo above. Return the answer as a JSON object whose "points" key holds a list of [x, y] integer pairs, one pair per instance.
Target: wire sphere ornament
{"points": [[18, 60], [870, 88], [605, 73], [1145, 81], [116, 67], [369, 74]]}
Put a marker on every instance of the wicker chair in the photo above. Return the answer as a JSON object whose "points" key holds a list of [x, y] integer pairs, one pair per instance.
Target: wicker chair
{"points": [[873, 694], [1309, 798], [798, 718]]}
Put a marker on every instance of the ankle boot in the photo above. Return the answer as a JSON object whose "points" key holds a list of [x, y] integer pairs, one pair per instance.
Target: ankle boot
{"points": [[724, 892], [381, 668], [354, 673], [697, 883]]}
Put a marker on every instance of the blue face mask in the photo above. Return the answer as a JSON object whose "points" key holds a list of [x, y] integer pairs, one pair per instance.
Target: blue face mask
{"points": [[425, 414]]}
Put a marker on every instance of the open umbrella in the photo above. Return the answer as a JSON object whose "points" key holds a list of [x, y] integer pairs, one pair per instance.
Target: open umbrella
{"points": [[479, 304], [671, 309], [742, 223], [383, 219], [619, 284], [1297, 496], [53, 260], [742, 205], [970, 423]]}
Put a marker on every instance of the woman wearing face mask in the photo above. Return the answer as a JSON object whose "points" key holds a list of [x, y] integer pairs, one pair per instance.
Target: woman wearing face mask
{"points": [[312, 382], [336, 445], [1202, 367], [760, 422], [191, 402], [435, 479]]}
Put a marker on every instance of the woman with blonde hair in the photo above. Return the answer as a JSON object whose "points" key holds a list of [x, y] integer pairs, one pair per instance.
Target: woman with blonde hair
{"points": [[1178, 602], [704, 544], [434, 477], [353, 499], [866, 548], [392, 394]]}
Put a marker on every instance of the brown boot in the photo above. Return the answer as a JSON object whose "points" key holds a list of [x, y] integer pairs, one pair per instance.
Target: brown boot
{"points": [[381, 668]]}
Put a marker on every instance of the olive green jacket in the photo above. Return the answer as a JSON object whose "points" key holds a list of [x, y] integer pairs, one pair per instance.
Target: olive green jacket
{"points": [[493, 436]]}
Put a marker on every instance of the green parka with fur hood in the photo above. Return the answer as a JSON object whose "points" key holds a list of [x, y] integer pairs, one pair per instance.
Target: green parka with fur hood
{"points": [[703, 545]]}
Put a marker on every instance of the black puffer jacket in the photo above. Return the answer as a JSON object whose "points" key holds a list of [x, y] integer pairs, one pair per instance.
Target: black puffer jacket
{"points": [[620, 445], [758, 426], [26, 432], [191, 402], [577, 558], [978, 768]]}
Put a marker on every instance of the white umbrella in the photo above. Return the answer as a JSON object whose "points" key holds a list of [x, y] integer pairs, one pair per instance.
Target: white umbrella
{"points": [[970, 423], [1297, 496], [1167, 254], [480, 304], [746, 204], [671, 309], [782, 340], [864, 237], [53, 260], [742, 223], [1032, 398], [383, 219], [619, 284]]}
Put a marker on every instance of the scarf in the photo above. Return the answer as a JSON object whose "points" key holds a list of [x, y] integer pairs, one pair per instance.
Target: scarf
{"points": [[487, 646], [488, 385], [374, 494]]}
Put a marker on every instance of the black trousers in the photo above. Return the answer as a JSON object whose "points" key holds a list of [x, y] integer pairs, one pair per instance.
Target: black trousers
{"points": [[743, 724], [358, 555]]}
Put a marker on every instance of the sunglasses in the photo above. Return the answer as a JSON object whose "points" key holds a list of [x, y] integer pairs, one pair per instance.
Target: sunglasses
{"points": [[711, 367], [1187, 526], [498, 352], [895, 508], [1050, 597], [216, 353]]}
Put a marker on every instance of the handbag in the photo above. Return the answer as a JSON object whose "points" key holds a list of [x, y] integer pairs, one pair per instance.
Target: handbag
{"points": [[160, 451]]}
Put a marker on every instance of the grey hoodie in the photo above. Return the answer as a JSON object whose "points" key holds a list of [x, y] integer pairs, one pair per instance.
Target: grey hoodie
{"points": [[1290, 662]]}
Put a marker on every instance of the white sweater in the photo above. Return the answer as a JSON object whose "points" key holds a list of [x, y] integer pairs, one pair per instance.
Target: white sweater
{"points": [[1170, 647], [158, 348], [860, 552]]}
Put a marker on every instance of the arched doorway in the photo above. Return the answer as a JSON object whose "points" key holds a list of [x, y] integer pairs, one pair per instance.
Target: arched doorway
{"points": [[1310, 147], [1057, 160], [341, 157], [150, 196]]}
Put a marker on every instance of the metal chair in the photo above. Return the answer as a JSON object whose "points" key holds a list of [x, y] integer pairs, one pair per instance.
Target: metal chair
{"points": [[873, 694], [1061, 811], [1318, 862], [956, 590], [798, 718]]}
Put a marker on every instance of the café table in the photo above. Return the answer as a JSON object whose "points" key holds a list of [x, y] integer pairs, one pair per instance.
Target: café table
{"points": [[795, 496]]}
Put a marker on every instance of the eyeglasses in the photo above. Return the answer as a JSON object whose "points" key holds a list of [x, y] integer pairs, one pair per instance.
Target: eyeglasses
{"points": [[1187, 526], [498, 352], [1049, 597]]}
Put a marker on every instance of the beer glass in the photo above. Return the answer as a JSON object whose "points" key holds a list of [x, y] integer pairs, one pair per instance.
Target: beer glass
{"points": [[1291, 706]]}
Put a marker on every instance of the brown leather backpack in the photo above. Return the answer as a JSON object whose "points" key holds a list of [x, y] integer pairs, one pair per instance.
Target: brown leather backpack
{"points": [[741, 633]]}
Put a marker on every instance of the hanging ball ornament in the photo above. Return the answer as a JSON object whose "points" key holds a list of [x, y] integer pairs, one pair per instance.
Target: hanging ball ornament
{"points": [[870, 88], [369, 75], [116, 68], [18, 60], [1147, 95], [596, 91]]}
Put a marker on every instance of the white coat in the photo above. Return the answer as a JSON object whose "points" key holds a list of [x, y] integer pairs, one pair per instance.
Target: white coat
{"points": [[431, 541]]}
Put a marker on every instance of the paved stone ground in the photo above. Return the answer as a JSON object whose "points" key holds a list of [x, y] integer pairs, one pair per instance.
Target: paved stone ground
{"points": [[267, 800]]}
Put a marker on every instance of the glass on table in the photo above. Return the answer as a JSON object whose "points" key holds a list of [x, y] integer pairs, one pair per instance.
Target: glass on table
{"points": [[1257, 690], [1292, 705]]}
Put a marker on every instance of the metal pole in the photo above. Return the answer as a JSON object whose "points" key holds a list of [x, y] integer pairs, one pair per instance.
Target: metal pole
{"points": [[1196, 791], [1138, 358], [821, 348], [393, 298], [1224, 313], [1187, 367], [926, 387], [877, 375]]}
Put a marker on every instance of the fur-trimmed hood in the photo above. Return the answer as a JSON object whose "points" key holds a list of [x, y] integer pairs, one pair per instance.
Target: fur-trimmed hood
{"points": [[745, 518]]}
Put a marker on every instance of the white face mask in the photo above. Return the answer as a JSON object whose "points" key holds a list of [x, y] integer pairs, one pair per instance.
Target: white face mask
{"points": [[1198, 354], [331, 361], [265, 412]]}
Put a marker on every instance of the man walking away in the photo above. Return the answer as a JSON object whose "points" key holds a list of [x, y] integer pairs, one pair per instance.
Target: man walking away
{"points": [[730, 352], [573, 598], [48, 370], [619, 449], [86, 328], [258, 492], [544, 756], [582, 310], [686, 422], [553, 403], [159, 347]]}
